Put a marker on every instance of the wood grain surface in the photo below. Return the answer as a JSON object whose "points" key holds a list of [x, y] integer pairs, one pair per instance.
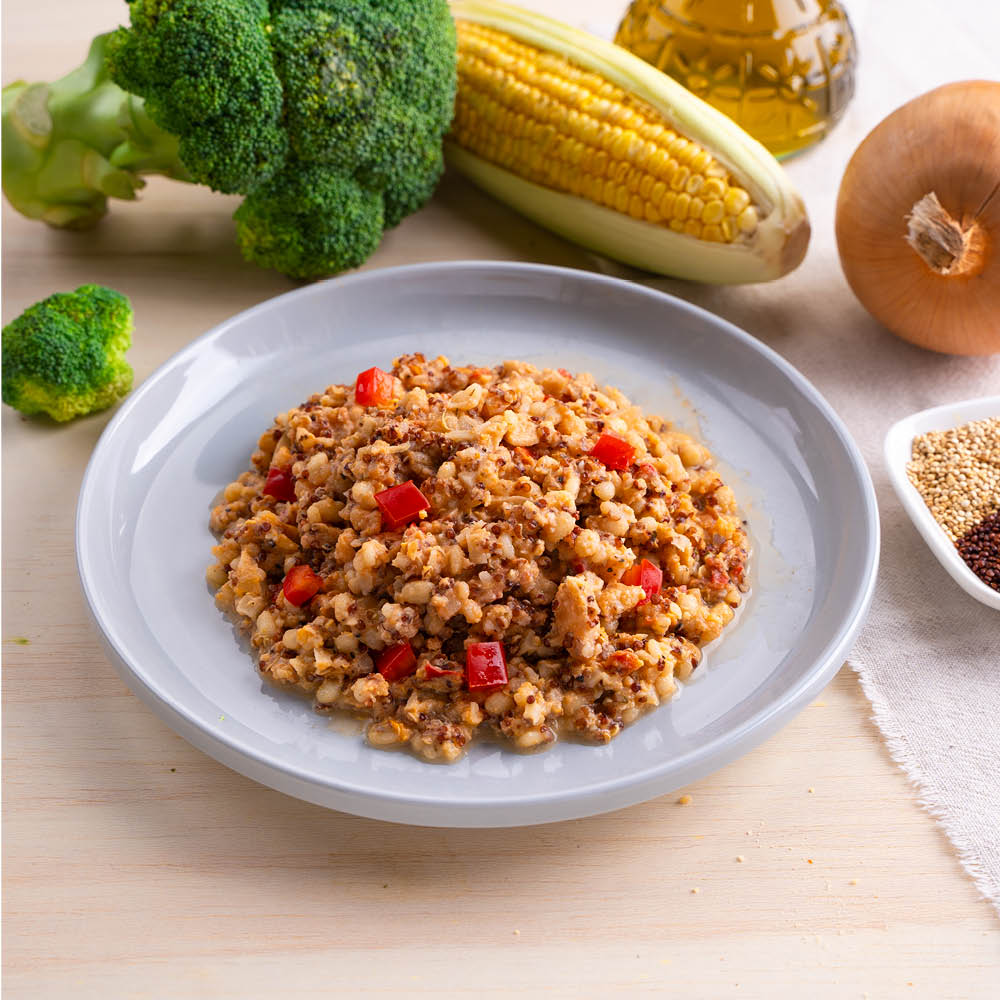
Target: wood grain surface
{"points": [[134, 866]]}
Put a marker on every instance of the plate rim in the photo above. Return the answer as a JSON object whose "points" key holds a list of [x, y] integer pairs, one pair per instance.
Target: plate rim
{"points": [[626, 789]]}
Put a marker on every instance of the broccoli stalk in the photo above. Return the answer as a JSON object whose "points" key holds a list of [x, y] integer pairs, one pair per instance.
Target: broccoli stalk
{"points": [[65, 355], [326, 115], [70, 145]]}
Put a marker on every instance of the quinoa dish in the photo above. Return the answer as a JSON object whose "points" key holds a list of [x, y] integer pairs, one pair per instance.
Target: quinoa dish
{"points": [[452, 551]]}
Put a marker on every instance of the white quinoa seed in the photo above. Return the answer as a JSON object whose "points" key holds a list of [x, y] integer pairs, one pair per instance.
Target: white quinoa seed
{"points": [[957, 472]]}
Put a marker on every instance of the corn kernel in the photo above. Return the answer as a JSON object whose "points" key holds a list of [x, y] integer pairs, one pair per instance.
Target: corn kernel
{"points": [[700, 161], [714, 211], [659, 162], [679, 149], [736, 200], [680, 178], [747, 220], [619, 148], [610, 139], [644, 155], [694, 183]]}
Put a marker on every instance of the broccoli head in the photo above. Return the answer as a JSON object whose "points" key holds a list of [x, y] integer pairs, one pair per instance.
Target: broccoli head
{"points": [[327, 115], [65, 355]]}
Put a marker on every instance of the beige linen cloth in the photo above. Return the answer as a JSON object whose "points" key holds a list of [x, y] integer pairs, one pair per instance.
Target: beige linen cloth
{"points": [[929, 655]]}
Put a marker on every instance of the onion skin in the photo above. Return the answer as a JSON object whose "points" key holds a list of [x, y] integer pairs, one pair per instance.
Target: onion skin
{"points": [[946, 142]]}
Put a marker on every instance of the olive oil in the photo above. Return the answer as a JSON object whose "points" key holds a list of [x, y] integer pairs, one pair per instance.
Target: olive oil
{"points": [[782, 69]]}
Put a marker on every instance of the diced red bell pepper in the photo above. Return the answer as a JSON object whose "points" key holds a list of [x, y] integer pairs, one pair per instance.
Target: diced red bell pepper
{"points": [[646, 575], [301, 585], [373, 388], [433, 671], [486, 666], [625, 661], [613, 452], [280, 484], [396, 662], [400, 505]]}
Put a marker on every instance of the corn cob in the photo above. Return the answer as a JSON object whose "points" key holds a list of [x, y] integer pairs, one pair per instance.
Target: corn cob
{"points": [[591, 142]]}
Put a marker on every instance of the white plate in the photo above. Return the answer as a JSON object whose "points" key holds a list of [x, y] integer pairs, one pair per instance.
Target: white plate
{"points": [[898, 444], [143, 540]]}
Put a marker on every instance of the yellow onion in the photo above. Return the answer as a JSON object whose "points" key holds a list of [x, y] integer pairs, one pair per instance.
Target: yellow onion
{"points": [[918, 220]]}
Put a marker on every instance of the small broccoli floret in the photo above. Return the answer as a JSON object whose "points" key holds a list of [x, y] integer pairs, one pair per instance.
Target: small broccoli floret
{"points": [[65, 355]]}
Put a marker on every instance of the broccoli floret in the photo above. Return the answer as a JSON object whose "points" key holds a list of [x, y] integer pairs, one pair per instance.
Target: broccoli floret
{"points": [[206, 72], [327, 115], [65, 355], [310, 218]]}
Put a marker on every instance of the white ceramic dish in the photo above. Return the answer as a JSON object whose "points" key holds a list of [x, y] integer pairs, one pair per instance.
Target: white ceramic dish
{"points": [[143, 540], [897, 447]]}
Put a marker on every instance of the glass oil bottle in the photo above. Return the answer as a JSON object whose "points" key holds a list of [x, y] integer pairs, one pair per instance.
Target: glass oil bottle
{"points": [[782, 69]]}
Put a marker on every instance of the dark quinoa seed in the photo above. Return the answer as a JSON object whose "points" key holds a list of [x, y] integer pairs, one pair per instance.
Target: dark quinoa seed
{"points": [[980, 549]]}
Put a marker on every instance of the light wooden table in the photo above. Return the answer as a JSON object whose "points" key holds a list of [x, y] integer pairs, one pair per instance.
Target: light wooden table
{"points": [[134, 866]]}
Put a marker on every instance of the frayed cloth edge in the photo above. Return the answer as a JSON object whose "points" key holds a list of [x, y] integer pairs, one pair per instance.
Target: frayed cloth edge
{"points": [[900, 752]]}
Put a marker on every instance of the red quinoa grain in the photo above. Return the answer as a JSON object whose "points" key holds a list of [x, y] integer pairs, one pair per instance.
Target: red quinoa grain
{"points": [[980, 549]]}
